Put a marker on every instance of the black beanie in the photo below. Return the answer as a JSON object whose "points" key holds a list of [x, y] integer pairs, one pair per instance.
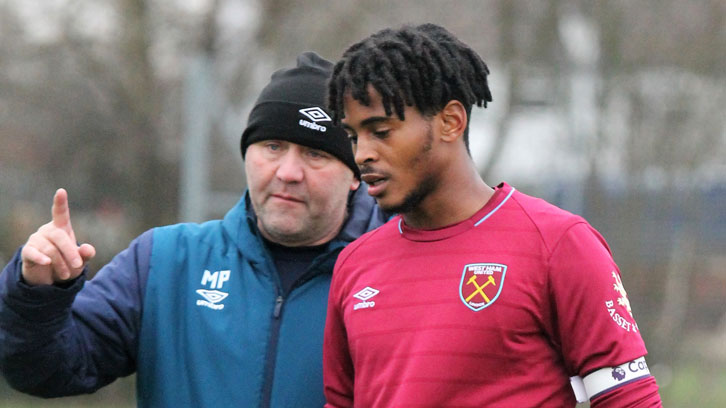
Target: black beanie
{"points": [[290, 108]]}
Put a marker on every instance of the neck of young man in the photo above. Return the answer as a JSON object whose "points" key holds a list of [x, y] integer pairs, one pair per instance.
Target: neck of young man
{"points": [[460, 194]]}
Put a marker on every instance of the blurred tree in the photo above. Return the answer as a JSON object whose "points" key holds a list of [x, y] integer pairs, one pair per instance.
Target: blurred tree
{"points": [[661, 142]]}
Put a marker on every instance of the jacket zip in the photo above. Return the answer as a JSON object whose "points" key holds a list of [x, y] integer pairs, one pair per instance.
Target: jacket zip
{"points": [[271, 354], [278, 307]]}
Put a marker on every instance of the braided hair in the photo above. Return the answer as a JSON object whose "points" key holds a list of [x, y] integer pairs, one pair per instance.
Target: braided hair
{"points": [[423, 66]]}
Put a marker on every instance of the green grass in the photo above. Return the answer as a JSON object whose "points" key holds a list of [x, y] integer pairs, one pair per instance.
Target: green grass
{"points": [[696, 384], [120, 394]]}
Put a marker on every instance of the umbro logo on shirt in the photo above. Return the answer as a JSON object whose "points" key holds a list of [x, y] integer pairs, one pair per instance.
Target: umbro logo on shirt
{"points": [[213, 296], [365, 294]]}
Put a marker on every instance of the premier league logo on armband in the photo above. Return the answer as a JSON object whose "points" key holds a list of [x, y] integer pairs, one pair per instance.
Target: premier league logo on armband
{"points": [[618, 373], [481, 284]]}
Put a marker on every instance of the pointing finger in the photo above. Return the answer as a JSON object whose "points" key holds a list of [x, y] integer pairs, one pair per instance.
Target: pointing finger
{"points": [[60, 210]]}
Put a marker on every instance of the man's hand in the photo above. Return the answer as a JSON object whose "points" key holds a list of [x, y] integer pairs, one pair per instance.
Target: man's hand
{"points": [[51, 254]]}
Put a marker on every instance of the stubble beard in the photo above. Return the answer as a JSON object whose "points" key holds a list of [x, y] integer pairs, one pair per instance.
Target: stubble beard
{"points": [[303, 230], [427, 185], [414, 198]]}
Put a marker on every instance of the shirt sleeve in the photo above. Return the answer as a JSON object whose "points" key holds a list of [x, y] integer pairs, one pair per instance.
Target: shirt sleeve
{"points": [[592, 319], [638, 394], [337, 362], [68, 340]]}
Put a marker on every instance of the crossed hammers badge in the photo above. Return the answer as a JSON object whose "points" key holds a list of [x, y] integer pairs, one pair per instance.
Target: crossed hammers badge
{"points": [[481, 284]]}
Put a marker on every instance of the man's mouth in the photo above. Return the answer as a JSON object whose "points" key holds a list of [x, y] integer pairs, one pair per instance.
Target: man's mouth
{"points": [[376, 183], [373, 179], [288, 197]]}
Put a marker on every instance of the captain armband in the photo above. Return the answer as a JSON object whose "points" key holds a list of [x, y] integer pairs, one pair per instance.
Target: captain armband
{"points": [[608, 378]]}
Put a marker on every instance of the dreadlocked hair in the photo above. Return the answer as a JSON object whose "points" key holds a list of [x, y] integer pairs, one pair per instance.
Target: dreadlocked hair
{"points": [[423, 66]]}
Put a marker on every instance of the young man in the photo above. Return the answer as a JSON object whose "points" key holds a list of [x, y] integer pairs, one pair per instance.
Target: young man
{"points": [[226, 313], [472, 296]]}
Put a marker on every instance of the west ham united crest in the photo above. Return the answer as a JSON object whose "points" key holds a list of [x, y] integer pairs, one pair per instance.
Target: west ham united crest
{"points": [[481, 284]]}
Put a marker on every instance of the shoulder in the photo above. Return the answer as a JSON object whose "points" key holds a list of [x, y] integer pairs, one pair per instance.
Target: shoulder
{"points": [[209, 233], [190, 228], [544, 213], [550, 222]]}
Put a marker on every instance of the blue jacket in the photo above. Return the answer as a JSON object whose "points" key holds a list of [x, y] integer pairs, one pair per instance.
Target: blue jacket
{"points": [[195, 309]]}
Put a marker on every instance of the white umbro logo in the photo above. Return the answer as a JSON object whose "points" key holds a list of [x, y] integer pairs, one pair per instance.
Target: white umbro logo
{"points": [[365, 294], [212, 296], [315, 114], [215, 280]]}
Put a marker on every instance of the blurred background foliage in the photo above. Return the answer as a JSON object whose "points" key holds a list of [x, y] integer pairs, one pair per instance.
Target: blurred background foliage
{"points": [[610, 109]]}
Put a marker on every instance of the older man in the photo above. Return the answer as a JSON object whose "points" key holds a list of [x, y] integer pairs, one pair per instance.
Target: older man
{"points": [[226, 313]]}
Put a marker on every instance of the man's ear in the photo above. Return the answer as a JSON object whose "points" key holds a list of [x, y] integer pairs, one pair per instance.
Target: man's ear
{"points": [[453, 121]]}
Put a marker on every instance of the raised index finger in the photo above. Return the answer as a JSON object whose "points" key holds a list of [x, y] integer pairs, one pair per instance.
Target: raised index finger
{"points": [[60, 211]]}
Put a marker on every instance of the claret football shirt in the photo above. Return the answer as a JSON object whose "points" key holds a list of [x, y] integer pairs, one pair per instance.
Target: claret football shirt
{"points": [[498, 310]]}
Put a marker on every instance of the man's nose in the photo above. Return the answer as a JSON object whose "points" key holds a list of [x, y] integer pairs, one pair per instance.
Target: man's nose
{"points": [[364, 151], [291, 167]]}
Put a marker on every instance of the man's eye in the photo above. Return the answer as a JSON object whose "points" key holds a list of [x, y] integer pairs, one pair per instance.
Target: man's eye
{"points": [[353, 139], [381, 133], [317, 154]]}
